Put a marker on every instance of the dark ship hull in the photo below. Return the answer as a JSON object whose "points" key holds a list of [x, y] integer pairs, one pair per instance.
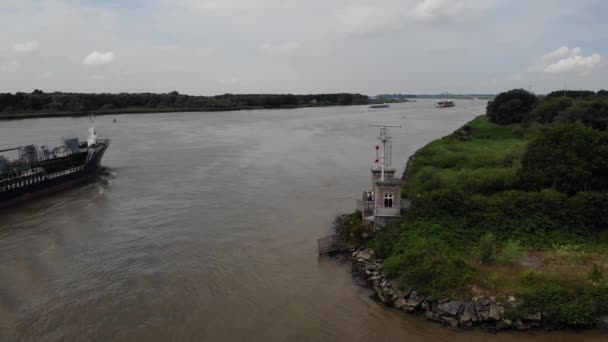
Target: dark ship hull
{"points": [[59, 174], [445, 104]]}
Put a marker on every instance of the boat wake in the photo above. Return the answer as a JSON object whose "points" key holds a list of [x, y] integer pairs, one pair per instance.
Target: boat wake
{"points": [[108, 172]]}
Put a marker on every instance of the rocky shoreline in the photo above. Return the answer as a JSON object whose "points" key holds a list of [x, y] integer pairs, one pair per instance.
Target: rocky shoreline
{"points": [[482, 312]]}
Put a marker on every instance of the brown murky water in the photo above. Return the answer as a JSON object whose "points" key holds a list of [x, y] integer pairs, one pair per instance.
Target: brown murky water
{"points": [[205, 228]]}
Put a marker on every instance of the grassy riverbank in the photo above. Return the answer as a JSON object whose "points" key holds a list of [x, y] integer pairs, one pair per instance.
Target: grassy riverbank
{"points": [[485, 221]]}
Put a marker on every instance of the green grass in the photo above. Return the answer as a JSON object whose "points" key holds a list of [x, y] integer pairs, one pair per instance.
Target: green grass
{"points": [[481, 157]]}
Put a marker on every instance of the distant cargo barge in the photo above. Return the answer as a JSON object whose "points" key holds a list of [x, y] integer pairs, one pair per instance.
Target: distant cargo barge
{"points": [[379, 105], [445, 104]]}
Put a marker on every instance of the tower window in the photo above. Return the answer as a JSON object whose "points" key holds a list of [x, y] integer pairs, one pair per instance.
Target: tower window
{"points": [[388, 200]]}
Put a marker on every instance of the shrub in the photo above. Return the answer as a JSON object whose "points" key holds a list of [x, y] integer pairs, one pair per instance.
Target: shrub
{"points": [[575, 306], [548, 109], [426, 263], [596, 275], [529, 277], [510, 254], [487, 248], [591, 113], [563, 158], [511, 106]]}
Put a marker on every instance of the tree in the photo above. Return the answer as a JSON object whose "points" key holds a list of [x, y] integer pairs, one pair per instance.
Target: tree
{"points": [[548, 109], [590, 113], [569, 158], [511, 106], [574, 94]]}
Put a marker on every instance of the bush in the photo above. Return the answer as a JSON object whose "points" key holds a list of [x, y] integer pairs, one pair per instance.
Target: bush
{"points": [[570, 158], [548, 109], [426, 263], [593, 114], [575, 306], [596, 275], [510, 254], [487, 248], [511, 106]]}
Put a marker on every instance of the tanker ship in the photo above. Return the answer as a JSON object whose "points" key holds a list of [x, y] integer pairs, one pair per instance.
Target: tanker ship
{"points": [[38, 170]]}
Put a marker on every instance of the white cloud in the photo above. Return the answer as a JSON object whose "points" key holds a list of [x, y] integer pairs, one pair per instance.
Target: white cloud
{"points": [[26, 47], [567, 60], [574, 64], [231, 82], [9, 66], [99, 58], [431, 10]]}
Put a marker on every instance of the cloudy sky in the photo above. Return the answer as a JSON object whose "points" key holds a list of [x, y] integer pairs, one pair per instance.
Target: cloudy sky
{"points": [[302, 46]]}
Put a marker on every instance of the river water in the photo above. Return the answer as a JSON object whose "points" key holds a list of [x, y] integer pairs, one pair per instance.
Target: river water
{"points": [[205, 228]]}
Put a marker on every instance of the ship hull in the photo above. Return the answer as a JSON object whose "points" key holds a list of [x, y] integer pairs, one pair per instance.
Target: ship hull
{"points": [[90, 170]]}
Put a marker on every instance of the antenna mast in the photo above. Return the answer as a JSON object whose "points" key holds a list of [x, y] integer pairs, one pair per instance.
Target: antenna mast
{"points": [[386, 144]]}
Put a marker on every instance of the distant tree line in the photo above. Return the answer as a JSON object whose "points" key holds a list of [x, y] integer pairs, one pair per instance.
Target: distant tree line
{"points": [[39, 101]]}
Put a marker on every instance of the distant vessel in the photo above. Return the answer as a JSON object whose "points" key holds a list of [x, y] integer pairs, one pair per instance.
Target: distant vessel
{"points": [[39, 171], [445, 104], [379, 105]]}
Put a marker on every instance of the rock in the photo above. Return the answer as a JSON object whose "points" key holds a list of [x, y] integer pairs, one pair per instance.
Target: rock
{"points": [[603, 321], [399, 303], [533, 317], [407, 308], [403, 293], [425, 305], [503, 324], [511, 299], [494, 312], [519, 325], [484, 302], [452, 308], [468, 314], [414, 302], [484, 315], [430, 315], [380, 295], [451, 322], [371, 267]]}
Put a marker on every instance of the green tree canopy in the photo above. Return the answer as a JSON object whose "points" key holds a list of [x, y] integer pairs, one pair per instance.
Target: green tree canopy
{"points": [[548, 109], [569, 158], [592, 113], [511, 106]]}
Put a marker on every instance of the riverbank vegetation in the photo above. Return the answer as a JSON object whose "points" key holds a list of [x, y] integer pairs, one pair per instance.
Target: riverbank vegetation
{"points": [[514, 205], [65, 103]]}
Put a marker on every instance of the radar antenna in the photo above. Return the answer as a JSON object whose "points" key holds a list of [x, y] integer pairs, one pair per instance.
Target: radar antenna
{"points": [[387, 148]]}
